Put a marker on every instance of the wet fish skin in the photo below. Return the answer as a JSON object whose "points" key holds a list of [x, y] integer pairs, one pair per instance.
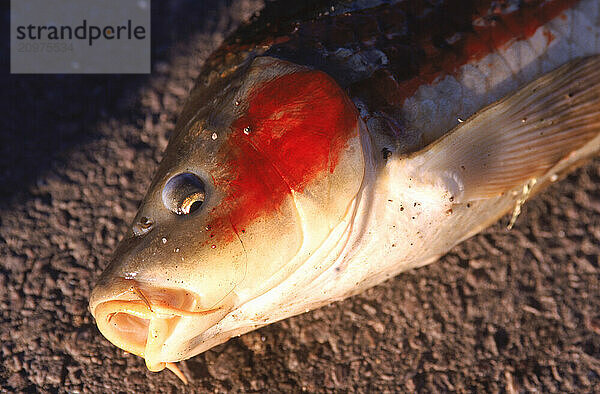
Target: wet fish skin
{"points": [[283, 229]]}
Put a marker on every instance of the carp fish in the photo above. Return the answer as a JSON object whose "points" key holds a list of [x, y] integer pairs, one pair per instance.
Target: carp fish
{"points": [[325, 149]]}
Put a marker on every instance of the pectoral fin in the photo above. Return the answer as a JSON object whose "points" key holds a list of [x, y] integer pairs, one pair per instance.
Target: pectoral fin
{"points": [[519, 138]]}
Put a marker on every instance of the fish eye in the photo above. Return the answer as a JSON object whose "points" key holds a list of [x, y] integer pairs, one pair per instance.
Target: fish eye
{"points": [[184, 193]]}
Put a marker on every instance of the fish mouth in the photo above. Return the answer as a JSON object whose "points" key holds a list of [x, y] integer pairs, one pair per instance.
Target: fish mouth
{"points": [[141, 318]]}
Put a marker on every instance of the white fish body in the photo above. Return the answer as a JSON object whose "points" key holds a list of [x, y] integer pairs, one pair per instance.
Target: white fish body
{"points": [[402, 221], [405, 218], [488, 136]]}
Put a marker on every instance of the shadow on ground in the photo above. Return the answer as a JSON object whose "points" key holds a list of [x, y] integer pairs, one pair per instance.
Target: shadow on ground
{"points": [[45, 115]]}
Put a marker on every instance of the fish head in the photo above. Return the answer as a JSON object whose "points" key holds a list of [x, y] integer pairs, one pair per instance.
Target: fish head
{"points": [[256, 176]]}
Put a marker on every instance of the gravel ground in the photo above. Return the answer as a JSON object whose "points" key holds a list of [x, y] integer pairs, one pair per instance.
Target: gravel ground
{"points": [[507, 311]]}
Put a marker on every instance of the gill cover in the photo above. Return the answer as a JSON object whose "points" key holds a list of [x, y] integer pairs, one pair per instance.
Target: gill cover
{"points": [[263, 164]]}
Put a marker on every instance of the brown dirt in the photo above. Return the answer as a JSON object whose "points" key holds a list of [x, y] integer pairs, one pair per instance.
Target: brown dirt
{"points": [[504, 311]]}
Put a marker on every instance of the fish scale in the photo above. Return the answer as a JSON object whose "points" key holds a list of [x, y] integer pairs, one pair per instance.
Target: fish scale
{"points": [[492, 77]]}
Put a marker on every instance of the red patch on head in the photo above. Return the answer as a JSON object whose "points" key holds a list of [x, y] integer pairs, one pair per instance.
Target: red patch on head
{"points": [[293, 131]]}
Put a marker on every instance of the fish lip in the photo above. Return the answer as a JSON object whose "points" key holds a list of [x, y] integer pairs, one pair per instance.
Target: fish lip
{"points": [[140, 317], [124, 315], [121, 327]]}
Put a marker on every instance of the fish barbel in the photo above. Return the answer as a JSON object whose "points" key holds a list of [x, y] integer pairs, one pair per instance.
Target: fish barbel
{"points": [[319, 155]]}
